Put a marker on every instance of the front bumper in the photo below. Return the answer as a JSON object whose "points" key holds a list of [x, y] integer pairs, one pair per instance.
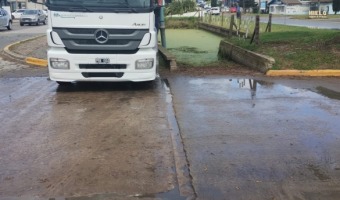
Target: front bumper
{"points": [[75, 73], [28, 21]]}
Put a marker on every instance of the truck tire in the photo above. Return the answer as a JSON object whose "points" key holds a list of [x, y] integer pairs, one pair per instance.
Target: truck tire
{"points": [[62, 83]]}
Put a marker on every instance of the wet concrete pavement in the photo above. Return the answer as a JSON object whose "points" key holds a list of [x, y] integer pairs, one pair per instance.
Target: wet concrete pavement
{"points": [[256, 138], [259, 138], [109, 139]]}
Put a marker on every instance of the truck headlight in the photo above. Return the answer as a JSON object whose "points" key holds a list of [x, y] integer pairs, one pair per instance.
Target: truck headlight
{"points": [[59, 63], [144, 63]]}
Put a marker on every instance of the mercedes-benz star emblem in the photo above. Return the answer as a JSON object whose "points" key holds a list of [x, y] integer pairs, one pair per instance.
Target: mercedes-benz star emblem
{"points": [[101, 36]]}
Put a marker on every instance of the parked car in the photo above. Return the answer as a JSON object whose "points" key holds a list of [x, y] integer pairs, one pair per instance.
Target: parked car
{"points": [[225, 9], [215, 10], [45, 12], [33, 17], [5, 19], [17, 14], [233, 9]]}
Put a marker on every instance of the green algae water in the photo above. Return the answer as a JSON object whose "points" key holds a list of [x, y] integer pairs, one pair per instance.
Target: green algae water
{"points": [[193, 47]]}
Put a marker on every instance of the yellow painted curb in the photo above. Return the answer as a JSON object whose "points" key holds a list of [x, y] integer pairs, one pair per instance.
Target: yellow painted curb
{"points": [[36, 61], [324, 72]]}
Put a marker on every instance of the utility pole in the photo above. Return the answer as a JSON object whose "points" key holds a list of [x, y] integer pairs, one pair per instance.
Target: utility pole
{"points": [[162, 22]]}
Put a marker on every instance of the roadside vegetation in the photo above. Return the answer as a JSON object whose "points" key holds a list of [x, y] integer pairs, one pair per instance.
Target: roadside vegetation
{"points": [[292, 47], [181, 22], [297, 47], [180, 7]]}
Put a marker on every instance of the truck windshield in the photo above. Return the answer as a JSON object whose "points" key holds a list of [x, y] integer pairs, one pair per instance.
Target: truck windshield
{"points": [[100, 5]]}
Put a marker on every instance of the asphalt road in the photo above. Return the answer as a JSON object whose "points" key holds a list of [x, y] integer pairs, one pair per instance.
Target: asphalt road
{"points": [[19, 33], [315, 23]]}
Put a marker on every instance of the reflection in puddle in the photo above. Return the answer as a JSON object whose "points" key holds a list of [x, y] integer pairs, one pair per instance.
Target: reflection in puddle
{"points": [[252, 86], [248, 89]]}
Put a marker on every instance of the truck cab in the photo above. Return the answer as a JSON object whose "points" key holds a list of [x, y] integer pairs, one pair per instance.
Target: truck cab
{"points": [[101, 40]]}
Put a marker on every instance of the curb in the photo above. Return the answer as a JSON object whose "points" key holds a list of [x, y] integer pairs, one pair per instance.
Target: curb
{"points": [[36, 61], [169, 58], [245, 57], [24, 59], [324, 72]]}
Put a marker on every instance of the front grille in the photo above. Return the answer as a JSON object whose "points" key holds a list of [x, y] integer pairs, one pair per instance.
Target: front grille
{"points": [[102, 66], [26, 19], [81, 40], [102, 74], [110, 42], [85, 51]]}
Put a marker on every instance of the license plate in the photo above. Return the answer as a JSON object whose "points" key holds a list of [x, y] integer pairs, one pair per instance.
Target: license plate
{"points": [[102, 60]]}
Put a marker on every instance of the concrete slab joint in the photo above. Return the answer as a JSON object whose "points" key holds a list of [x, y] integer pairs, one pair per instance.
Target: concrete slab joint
{"points": [[245, 57]]}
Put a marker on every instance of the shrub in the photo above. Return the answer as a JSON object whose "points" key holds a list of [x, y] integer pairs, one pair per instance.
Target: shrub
{"points": [[181, 22], [180, 7]]}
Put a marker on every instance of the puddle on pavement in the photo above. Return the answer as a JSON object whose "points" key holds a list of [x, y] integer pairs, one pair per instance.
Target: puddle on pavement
{"points": [[172, 194], [195, 51], [240, 89], [328, 93]]}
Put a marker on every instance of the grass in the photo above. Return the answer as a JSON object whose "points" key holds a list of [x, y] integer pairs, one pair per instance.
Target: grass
{"points": [[298, 47]]}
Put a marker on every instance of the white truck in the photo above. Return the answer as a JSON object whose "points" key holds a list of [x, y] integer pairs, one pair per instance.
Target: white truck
{"points": [[101, 40]]}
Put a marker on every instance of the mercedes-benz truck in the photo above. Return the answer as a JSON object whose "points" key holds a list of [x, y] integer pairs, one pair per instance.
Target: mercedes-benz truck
{"points": [[101, 40]]}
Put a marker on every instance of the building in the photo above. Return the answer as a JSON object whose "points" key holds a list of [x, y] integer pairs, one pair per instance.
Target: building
{"points": [[322, 5], [21, 4], [300, 7]]}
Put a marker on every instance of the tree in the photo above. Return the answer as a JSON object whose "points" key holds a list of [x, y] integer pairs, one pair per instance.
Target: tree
{"points": [[336, 6], [247, 4], [213, 3]]}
